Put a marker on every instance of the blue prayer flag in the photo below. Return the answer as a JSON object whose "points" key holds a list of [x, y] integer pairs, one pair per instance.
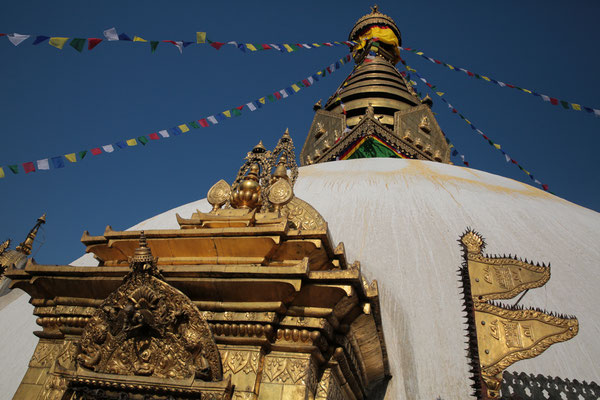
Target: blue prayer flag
{"points": [[454, 152], [40, 39], [186, 44], [221, 117], [289, 90], [121, 144], [175, 131], [123, 36], [58, 162]]}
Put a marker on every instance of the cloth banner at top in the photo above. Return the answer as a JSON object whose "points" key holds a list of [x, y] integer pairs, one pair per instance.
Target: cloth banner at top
{"points": [[382, 33]]}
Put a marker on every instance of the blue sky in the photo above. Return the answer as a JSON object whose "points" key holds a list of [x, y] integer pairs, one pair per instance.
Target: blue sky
{"points": [[56, 102]]}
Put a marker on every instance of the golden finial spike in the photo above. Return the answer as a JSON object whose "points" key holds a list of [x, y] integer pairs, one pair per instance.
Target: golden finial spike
{"points": [[142, 254], [281, 169], [374, 9], [259, 148], [286, 136], [25, 246]]}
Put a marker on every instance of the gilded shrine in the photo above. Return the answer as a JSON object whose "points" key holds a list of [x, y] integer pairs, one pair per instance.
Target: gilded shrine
{"points": [[251, 300]]}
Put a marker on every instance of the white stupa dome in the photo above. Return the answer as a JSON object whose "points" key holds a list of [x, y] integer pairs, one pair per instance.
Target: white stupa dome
{"points": [[401, 219]]}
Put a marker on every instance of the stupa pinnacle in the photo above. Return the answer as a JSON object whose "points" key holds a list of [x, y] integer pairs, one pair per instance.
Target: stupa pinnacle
{"points": [[375, 112]]}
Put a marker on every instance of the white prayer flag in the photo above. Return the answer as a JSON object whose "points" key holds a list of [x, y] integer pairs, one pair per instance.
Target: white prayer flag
{"points": [[597, 112], [283, 93], [164, 133], [43, 164], [251, 106], [233, 43], [507, 157], [212, 119], [501, 83], [111, 34], [17, 38], [276, 47], [311, 80], [108, 148], [546, 98], [538, 182]]}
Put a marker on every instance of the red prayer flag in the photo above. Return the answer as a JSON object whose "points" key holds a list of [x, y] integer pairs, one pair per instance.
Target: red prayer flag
{"points": [[554, 101], [466, 163], [203, 122], [437, 61], [454, 110], [241, 107], [96, 151], [266, 47], [510, 86], [28, 167], [93, 42], [513, 161], [470, 73], [545, 187], [306, 82], [217, 45], [277, 95], [154, 136], [2, 34], [486, 138]]}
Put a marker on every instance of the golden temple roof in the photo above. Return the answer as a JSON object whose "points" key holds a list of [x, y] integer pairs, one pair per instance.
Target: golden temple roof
{"points": [[373, 18]]}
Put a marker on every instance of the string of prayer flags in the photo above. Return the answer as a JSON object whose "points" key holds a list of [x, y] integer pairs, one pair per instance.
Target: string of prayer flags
{"points": [[549, 99], [56, 162], [477, 130]]}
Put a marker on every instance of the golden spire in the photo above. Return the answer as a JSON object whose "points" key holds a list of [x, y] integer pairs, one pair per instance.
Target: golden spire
{"points": [[259, 148], [142, 254], [281, 169], [25, 247]]}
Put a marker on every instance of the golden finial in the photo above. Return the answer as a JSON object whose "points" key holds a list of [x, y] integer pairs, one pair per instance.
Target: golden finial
{"points": [[247, 194], [286, 136], [259, 148], [142, 254], [374, 9], [317, 105], [25, 246], [281, 169]]}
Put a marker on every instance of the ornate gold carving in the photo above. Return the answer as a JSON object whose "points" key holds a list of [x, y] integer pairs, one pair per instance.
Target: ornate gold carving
{"points": [[320, 131], [247, 194], [425, 125], [473, 242], [280, 193], [148, 328], [507, 336], [287, 370], [302, 215], [235, 361], [44, 355], [54, 388], [218, 195]]}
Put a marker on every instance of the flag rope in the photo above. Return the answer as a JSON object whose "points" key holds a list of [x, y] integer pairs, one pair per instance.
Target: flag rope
{"points": [[483, 135], [552, 100], [59, 161]]}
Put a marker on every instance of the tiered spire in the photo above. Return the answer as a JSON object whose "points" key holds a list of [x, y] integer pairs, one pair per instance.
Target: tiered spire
{"points": [[375, 112]]}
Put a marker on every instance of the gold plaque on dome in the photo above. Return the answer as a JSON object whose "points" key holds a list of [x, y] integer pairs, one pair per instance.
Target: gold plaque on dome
{"points": [[507, 336]]}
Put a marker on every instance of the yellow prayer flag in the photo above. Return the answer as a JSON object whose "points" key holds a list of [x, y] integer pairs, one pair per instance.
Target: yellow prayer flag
{"points": [[288, 48], [486, 78], [184, 128], [527, 91], [576, 106], [227, 113], [71, 157], [450, 66], [138, 39], [58, 42], [200, 37], [419, 53], [295, 87], [439, 93], [496, 145], [262, 100], [527, 172], [316, 45], [1, 172], [251, 46], [131, 142], [467, 121]]}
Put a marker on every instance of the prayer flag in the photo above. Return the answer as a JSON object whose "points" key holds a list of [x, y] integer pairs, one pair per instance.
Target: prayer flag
{"points": [[123, 36], [43, 164], [183, 128], [131, 142], [200, 37], [271, 97], [14, 168], [175, 131], [276, 47], [121, 144], [295, 87], [227, 113], [266, 47], [576, 106], [71, 157], [545, 187], [138, 39], [164, 133], [153, 45], [93, 42], [40, 39], [78, 44], [1, 172], [212, 119], [289, 90], [306, 82], [283, 93], [250, 46], [454, 152], [194, 124], [288, 48], [108, 148], [597, 113], [95, 151], [154, 136], [277, 95], [111, 34], [82, 154], [217, 45], [251, 106], [143, 140], [564, 104], [262, 100], [17, 38], [203, 123], [496, 145], [186, 44], [220, 117], [507, 157], [242, 47], [554, 101], [28, 167], [235, 112], [545, 98], [58, 42]]}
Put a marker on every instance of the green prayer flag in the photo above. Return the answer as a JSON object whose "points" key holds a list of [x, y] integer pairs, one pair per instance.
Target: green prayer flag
{"points": [[565, 104], [490, 142], [153, 45], [235, 112], [77, 44], [300, 84], [14, 168], [194, 124], [372, 149], [477, 76], [143, 140], [271, 97], [82, 154]]}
